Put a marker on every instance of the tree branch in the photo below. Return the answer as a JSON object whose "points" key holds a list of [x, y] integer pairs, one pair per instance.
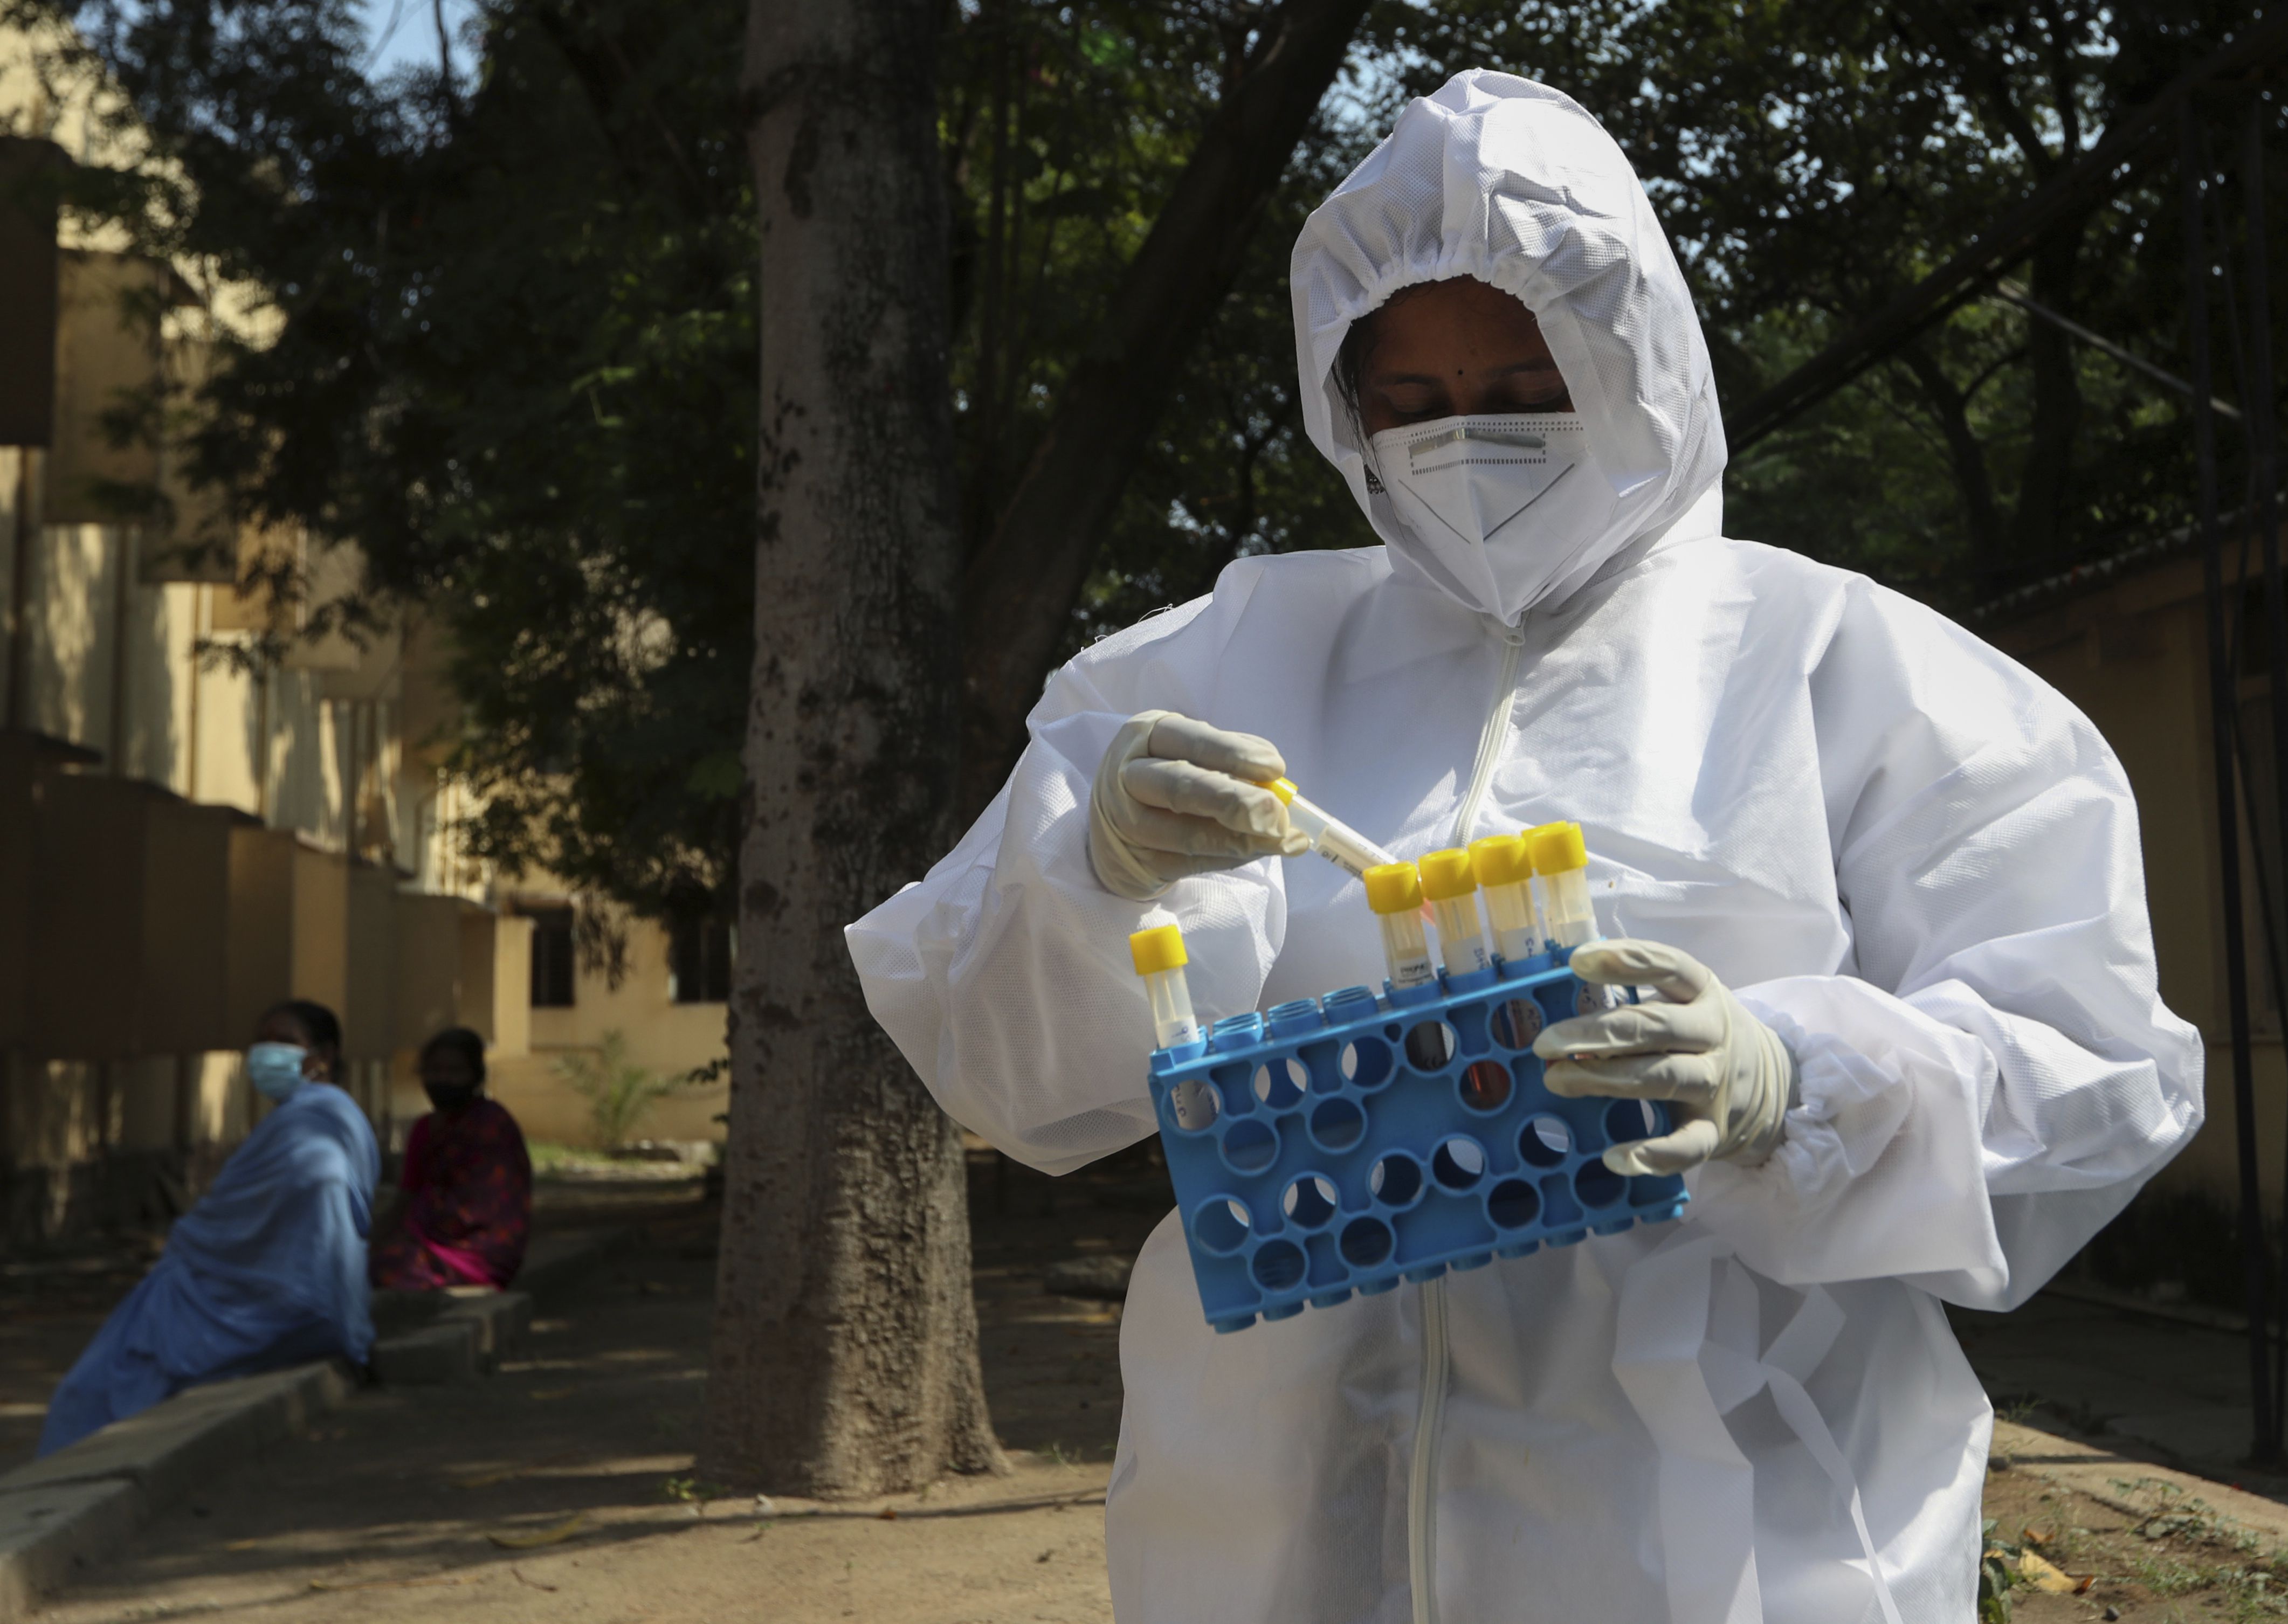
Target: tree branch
{"points": [[1951, 407], [1020, 590]]}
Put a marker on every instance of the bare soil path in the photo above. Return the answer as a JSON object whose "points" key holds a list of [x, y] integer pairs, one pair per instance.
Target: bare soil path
{"points": [[564, 1489]]}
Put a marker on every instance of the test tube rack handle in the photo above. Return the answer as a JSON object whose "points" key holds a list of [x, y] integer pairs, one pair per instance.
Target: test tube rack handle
{"points": [[1333, 1147]]}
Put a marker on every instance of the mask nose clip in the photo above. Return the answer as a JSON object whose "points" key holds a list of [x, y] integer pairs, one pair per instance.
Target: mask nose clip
{"points": [[1467, 433]]}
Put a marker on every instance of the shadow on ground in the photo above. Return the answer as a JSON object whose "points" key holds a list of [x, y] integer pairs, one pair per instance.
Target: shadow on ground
{"points": [[567, 1482]]}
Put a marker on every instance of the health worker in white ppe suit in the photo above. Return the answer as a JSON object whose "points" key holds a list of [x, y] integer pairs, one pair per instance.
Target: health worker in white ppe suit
{"points": [[1884, 884]]}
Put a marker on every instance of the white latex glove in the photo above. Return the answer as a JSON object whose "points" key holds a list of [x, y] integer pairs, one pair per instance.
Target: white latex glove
{"points": [[1726, 1077], [1175, 797]]}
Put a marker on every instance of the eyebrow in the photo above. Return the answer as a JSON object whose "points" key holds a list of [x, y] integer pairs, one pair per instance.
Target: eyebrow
{"points": [[1434, 377]]}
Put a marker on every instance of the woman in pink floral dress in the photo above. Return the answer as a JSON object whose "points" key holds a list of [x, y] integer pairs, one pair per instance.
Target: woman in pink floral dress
{"points": [[468, 1183]]}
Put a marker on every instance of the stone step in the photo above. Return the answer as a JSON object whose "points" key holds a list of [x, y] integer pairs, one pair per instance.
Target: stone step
{"points": [[63, 1512], [62, 1515]]}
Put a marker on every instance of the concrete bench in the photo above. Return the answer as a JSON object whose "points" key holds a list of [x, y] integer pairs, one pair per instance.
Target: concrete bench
{"points": [[62, 1513]]}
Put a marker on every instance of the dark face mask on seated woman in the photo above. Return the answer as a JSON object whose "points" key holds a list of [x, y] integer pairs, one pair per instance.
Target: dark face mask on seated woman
{"points": [[455, 1098], [449, 1081]]}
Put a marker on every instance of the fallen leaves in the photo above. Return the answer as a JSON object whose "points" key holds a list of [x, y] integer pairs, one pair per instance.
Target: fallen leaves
{"points": [[485, 1480], [2038, 1573], [556, 1534]]}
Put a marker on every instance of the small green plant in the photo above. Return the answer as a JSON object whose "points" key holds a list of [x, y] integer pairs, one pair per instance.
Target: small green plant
{"points": [[692, 1491], [1996, 1576], [2016, 1407], [547, 1157], [619, 1093]]}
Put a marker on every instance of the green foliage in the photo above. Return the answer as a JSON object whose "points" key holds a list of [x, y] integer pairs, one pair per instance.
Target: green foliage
{"points": [[692, 1491], [1809, 162], [1066, 127], [516, 355], [619, 1093], [1996, 1577], [514, 362]]}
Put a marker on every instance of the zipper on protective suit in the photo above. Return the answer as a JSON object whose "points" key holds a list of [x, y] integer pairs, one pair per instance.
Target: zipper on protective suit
{"points": [[1429, 1420]]}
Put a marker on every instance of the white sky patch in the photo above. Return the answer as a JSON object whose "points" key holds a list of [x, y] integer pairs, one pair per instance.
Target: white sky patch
{"points": [[401, 34]]}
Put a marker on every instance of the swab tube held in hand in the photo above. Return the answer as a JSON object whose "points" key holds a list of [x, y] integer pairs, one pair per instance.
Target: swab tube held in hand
{"points": [[1394, 891], [1160, 959], [1505, 872], [1453, 888], [1331, 837], [1560, 867]]}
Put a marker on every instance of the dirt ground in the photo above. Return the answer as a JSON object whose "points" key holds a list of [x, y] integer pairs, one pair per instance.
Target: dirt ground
{"points": [[2133, 1547], [564, 1488], [49, 1307]]}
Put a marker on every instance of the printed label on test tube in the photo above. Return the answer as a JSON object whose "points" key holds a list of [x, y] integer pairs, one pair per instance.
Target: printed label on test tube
{"points": [[1560, 864], [1394, 891], [1452, 889], [1504, 871], [1160, 958], [1331, 837]]}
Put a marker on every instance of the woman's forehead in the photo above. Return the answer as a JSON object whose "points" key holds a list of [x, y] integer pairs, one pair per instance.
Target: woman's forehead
{"points": [[1458, 304]]}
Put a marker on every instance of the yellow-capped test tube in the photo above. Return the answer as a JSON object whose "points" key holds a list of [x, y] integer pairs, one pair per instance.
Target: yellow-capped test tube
{"points": [[1453, 888], [1160, 959], [1331, 837], [1560, 867], [1504, 871], [1394, 891]]}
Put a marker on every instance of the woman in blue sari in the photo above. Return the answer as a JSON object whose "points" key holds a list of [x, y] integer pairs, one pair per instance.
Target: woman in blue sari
{"points": [[268, 1270]]}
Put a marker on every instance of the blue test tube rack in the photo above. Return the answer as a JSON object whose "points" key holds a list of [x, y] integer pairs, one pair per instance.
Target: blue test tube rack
{"points": [[1339, 1145]]}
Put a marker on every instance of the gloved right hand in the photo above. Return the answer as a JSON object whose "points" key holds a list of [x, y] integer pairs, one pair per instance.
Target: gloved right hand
{"points": [[1175, 797], [1727, 1077]]}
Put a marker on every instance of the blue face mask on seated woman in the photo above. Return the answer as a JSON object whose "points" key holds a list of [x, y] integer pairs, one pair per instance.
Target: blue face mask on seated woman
{"points": [[276, 1068]]}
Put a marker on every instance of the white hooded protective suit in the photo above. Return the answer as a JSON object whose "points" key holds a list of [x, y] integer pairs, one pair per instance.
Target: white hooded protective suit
{"points": [[1910, 857]]}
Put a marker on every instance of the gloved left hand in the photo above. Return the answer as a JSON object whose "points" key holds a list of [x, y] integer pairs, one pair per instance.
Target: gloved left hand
{"points": [[1727, 1076]]}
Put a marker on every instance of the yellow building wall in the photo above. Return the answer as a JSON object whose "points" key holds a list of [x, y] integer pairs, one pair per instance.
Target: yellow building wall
{"points": [[240, 831], [670, 1039], [322, 927], [2134, 657]]}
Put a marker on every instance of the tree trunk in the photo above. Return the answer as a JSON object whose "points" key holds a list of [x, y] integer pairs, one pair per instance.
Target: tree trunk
{"points": [[2046, 484], [844, 1350], [1019, 591]]}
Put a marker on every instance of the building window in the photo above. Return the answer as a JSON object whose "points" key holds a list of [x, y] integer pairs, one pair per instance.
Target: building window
{"points": [[551, 957], [699, 961]]}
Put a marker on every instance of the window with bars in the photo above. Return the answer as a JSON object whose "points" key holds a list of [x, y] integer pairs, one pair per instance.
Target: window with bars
{"points": [[699, 955], [554, 971]]}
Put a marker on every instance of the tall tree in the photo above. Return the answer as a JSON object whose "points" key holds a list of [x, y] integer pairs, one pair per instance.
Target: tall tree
{"points": [[514, 353], [513, 356], [844, 1357], [514, 362]]}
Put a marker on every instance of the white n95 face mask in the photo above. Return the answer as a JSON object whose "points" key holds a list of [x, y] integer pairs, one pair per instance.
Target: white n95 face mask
{"points": [[1499, 505]]}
